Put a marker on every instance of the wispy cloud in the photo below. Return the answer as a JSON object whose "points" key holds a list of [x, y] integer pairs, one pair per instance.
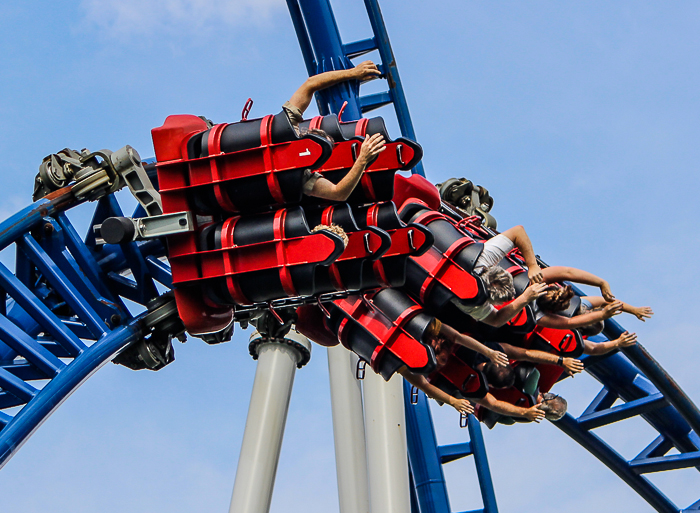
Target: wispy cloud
{"points": [[124, 18]]}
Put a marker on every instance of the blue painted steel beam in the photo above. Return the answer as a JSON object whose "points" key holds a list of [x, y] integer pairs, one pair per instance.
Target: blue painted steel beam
{"points": [[304, 43], [328, 52], [617, 464], [8, 400], [622, 411], [621, 377], [24, 371], [29, 348], [661, 379], [370, 102], [361, 47], [15, 386], [392, 71], [64, 287], [693, 507], [658, 447], [453, 452], [323, 50], [55, 245], [426, 468], [661, 463], [38, 310], [159, 270], [488, 493], [20, 428], [604, 400], [85, 259]]}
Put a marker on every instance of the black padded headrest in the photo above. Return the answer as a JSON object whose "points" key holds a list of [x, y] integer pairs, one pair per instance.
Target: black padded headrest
{"points": [[411, 211], [282, 129], [330, 125], [573, 309]]}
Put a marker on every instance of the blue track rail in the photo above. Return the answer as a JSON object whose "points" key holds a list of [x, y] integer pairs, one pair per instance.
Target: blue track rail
{"points": [[323, 50], [633, 377], [647, 391], [426, 458], [63, 314]]}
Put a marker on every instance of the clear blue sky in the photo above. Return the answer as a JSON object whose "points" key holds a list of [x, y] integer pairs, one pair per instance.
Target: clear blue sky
{"points": [[580, 118]]}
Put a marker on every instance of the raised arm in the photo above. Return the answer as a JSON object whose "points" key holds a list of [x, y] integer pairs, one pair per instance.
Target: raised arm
{"points": [[302, 97], [597, 348], [571, 365], [560, 273], [324, 188], [521, 240], [640, 312], [578, 321], [453, 335], [533, 413], [419, 381], [498, 318]]}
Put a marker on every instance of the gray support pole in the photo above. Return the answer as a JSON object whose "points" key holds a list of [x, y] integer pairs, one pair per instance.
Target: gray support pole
{"points": [[348, 431], [387, 453], [267, 415]]}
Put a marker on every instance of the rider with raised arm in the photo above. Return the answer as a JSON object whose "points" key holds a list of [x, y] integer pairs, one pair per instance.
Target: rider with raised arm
{"points": [[499, 283], [497, 372], [314, 183], [596, 309]]}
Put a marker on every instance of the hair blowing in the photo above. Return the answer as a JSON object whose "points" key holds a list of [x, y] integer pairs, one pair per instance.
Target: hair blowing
{"points": [[499, 284], [441, 346], [556, 300]]}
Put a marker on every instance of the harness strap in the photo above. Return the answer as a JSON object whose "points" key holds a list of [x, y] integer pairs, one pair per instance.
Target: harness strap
{"points": [[265, 141], [214, 148]]}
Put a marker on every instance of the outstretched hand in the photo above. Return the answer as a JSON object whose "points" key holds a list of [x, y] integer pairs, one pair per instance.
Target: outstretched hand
{"points": [[572, 366], [535, 274], [371, 147], [642, 312], [612, 309], [366, 70], [499, 358], [462, 406], [606, 292], [627, 339], [534, 414], [535, 290]]}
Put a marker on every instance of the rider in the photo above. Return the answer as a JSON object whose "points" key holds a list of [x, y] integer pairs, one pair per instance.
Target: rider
{"points": [[314, 183]]}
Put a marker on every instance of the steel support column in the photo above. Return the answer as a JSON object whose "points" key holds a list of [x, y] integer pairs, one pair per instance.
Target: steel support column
{"points": [[348, 431], [386, 444], [267, 416]]}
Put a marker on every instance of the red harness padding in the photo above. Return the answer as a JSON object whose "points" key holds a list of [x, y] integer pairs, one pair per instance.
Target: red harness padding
{"points": [[198, 315], [364, 246], [256, 271], [377, 181], [311, 323], [469, 382], [414, 239], [445, 269], [522, 323], [564, 342], [281, 255], [415, 188], [385, 342], [230, 181]]}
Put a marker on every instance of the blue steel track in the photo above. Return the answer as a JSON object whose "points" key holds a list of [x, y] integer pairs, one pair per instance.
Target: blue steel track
{"points": [[64, 316]]}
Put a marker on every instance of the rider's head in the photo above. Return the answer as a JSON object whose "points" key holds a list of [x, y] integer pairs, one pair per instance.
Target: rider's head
{"points": [[499, 284]]}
